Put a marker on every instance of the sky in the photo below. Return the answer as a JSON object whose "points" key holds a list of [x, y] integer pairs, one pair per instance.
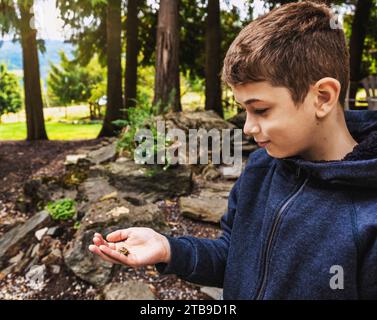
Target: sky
{"points": [[51, 27]]}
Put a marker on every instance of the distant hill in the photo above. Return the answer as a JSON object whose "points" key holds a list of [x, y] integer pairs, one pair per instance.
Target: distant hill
{"points": [[11, 54]]}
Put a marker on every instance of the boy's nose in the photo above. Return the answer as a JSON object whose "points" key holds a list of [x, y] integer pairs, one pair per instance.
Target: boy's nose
{"points": [[250, 129]]}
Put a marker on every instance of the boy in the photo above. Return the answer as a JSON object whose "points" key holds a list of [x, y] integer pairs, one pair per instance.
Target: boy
{"points": [[302, 218]]}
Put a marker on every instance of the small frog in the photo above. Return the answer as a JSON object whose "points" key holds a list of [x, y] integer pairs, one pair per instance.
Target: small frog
{"points": [[124, 251]]}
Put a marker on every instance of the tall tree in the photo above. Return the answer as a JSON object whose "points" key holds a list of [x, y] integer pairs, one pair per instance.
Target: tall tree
{"points": [[358, 34], [213, 58], [132, 51], [167, 84], [17, 17], [32, 83], [114, 68]]}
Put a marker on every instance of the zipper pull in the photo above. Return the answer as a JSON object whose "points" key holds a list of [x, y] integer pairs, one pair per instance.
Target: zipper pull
{"points": [[298, 171]]}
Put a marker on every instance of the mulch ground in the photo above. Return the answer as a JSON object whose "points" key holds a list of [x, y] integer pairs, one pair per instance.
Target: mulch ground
{"points": [[21, 161]]}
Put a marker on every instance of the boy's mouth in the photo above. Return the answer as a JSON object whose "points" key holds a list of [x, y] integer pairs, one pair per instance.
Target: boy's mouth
{"points": [[262, 144]]}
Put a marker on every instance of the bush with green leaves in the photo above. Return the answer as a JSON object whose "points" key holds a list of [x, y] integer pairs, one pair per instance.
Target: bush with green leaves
{"points": [[10, 91], [63, 209]]}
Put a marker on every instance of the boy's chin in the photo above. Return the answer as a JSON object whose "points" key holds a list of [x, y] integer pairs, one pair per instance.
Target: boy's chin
{"points": [[279, 155]]}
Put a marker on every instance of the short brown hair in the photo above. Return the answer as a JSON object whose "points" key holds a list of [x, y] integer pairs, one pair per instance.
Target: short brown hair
{"points": [[294, 46]]}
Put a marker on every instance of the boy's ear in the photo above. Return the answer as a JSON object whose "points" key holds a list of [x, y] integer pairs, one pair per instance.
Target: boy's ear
{"points": [[327, 92]]}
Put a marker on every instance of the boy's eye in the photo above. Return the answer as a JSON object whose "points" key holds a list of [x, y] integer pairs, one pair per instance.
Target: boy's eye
{"points": [[260, 111]]}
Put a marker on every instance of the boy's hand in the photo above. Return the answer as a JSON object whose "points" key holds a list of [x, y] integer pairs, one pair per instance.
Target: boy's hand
{"points": [[145, 246]]}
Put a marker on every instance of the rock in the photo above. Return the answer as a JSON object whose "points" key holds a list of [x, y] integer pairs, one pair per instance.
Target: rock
{"points": [[35, 251], [104, 154], [129, 290], [16, 259], [8, 270], [55, 256], [122, 214], [213, 292], [48, 244], [95, 188], [84, 264], [55, 231], [35, 277], [221, 188], [29, 251], [10, 241], [211, 173], [90, 267], [209, 209], [148, 184], [54, 268], [196, 120], [22, 264], [40, 233], [74, 158]]}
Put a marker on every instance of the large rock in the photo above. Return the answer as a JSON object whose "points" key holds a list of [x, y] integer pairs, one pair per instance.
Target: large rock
{"points": [[104, 154], [85, 264], [208, 208], [11, 241], [103, 206], [123, 215], [104, 217], [129, 290], [149, 183], [95, 188], [196, 120]]}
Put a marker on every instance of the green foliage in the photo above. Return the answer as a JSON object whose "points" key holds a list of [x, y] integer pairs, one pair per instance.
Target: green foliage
{"points": [[63, 209], [10, 92], [90, 38], [140, 117], [71, 83]]}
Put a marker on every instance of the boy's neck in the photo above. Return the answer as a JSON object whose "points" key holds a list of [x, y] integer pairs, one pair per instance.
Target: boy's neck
{"points": [[333, 141]]}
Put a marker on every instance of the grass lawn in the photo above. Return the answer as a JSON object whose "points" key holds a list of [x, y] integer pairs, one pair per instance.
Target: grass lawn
{"points": [[55, 131]]}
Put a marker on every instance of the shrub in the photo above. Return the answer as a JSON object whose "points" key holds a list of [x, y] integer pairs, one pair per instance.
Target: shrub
{"points": [[63, 209]]}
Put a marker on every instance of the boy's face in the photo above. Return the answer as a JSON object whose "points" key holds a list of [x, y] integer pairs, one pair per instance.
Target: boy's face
{"points": [[272, 116]]}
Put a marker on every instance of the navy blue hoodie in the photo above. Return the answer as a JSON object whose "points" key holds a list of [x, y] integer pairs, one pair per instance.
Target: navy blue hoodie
{"points": [[294, 228]]}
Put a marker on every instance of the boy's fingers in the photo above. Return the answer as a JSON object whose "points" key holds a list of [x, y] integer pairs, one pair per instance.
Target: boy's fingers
{"points": [[97, 251], [118, 235], [114, 254], [98, 241]]}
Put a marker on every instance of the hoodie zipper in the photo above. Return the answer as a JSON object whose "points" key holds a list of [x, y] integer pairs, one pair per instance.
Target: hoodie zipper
{"points": [[272, 233]]}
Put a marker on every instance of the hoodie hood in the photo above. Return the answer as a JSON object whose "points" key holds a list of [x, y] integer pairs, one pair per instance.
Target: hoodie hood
{"points": [[359, 167]]}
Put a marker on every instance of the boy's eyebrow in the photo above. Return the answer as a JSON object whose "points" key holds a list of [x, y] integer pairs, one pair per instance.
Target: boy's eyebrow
{"points": [[249, 101]]}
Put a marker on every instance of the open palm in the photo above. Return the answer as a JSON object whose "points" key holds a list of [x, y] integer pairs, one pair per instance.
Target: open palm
{"points": [[145, 247]]}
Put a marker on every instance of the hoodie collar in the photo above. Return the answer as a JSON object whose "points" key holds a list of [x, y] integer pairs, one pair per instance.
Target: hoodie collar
{"points": [[357, 168]]}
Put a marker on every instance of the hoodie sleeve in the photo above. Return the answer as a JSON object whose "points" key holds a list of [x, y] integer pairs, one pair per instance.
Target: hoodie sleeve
{"points": [[199, 260]]}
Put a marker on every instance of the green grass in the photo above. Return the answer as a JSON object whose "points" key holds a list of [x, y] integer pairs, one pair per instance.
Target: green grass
{"points": [[55, 131]]}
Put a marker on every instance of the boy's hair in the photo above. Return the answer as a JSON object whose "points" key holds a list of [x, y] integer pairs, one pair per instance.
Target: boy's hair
{"points": [[293, 46]]}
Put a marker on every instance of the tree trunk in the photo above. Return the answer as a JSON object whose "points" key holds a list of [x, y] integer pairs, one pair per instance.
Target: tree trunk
{"points": [[114, 68], [167, 85], [132, 51], [32, 84], [359, 30], [213, 58]]}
